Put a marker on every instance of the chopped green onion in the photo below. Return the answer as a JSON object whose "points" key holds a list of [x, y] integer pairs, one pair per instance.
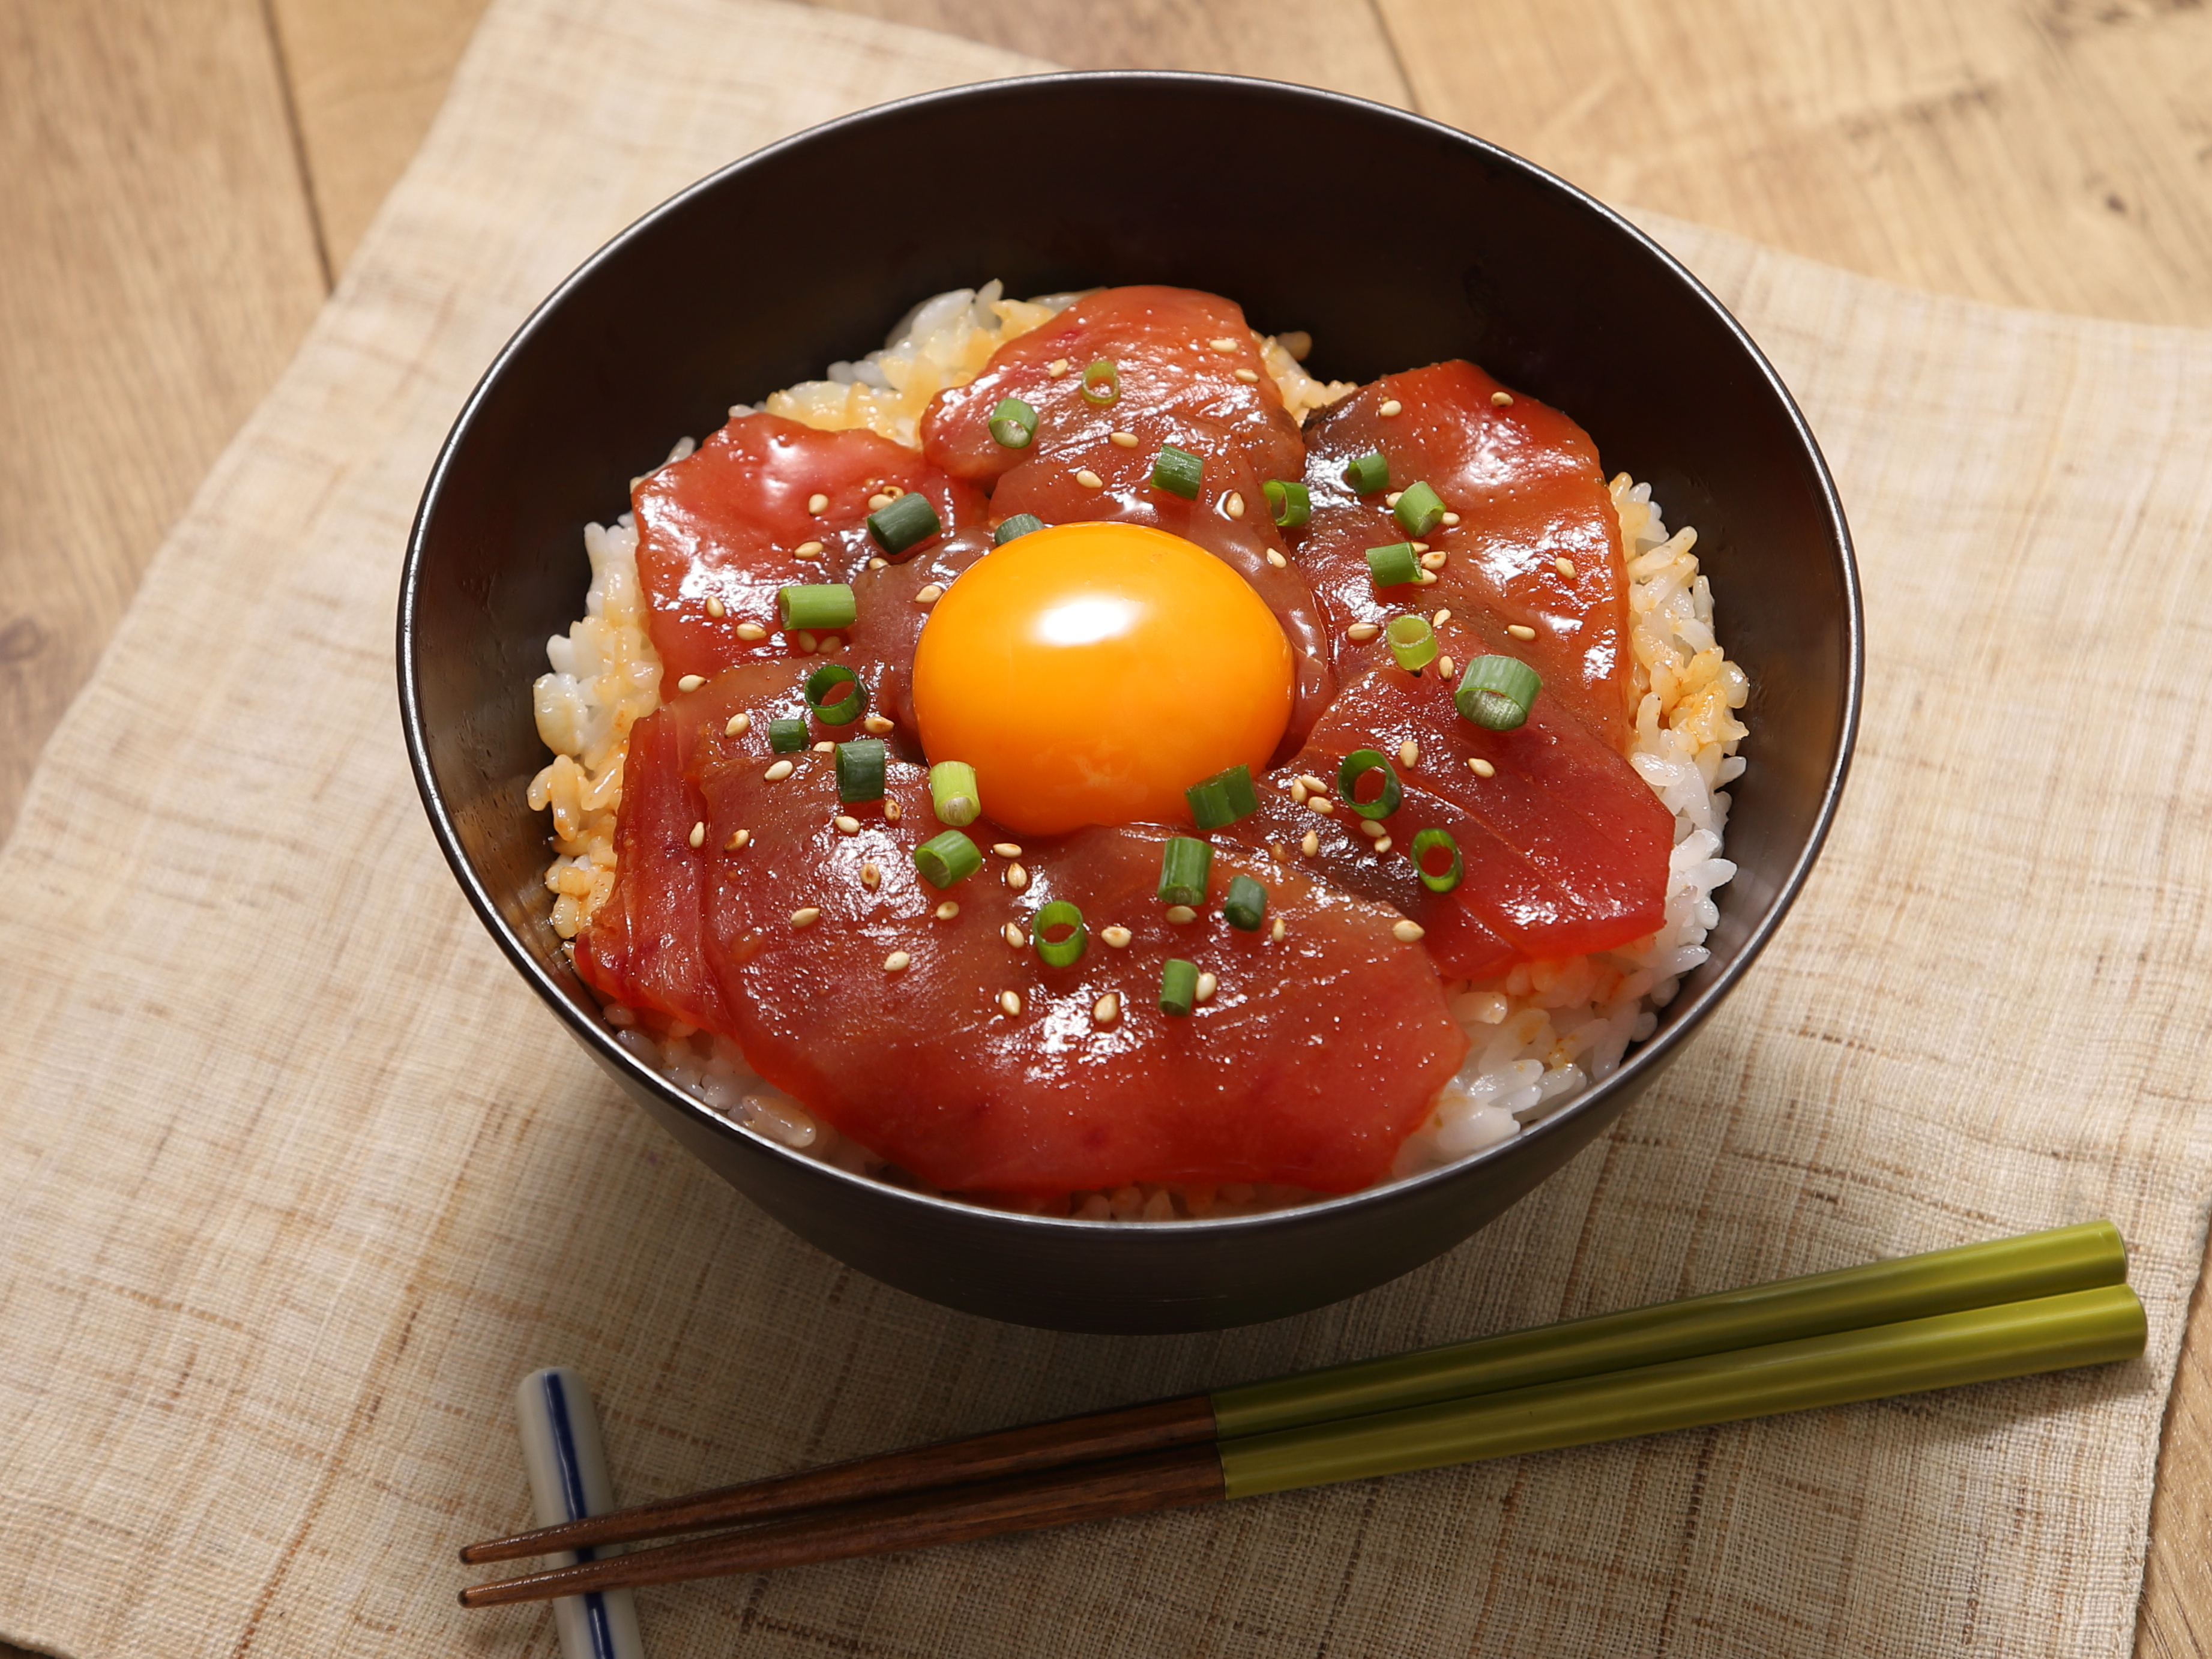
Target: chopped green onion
{"points": [[1356, 765], [906, 522], [1223, 798], [820, 605], [1288, 502], [847, 708], [787, 737], [1178, 471], [947, 857], [1013, 424], [1102, 385], [1178, 987], [1246, 906], [1183, 867], [1496, 692], [1394, 564], [1368, 473], [1059, 953], [1419, 509], [1441, 881], [1020, 524], [860, 769], [1413, 642], [953, 792]]}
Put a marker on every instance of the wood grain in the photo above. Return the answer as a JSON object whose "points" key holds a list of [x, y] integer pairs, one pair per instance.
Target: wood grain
{"points": [[157, 273], [166, 254]]}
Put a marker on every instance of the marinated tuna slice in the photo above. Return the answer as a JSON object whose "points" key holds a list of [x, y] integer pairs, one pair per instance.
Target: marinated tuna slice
{"points": [[889, 604], [645, 945], [1173, 349], [727, 525], [1525, 483], [965, 1058], [1564, 848], [1227, 518]]}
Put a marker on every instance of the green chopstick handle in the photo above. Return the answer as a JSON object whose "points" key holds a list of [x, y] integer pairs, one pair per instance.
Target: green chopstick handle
{"points": [[2062, 1259], [2081, 1327]]}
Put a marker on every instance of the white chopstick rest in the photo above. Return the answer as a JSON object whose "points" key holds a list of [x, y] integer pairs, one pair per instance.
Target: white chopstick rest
{"points": [[567, 1468]]}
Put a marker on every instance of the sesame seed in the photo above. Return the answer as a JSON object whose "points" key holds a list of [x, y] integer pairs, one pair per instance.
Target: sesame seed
{"points": [[1276, 851], [893, 811], [846, 825], [1434, 560], [1423, 578], [947, 911], [751, 631], [876, 724], [1090, 480], [878, 563], [1481, 768], [1393, 498], [1233, 504], [1009, 1003], [1278, 931], [1382, 844], [1208, 985], [779, 772], [1181, 914], [1016, 877], [737, 839], [1116, 934], [1322, 804], [929, 595], [1521, 630], [1248, 377], [1313, 783], [739, 726], [806, 642], [871, 876], [1502, 399], [879, 501], [1005, 849], [1107, 1009], [714, 606], [690, 682], [1388, 407], [1564, 566], [1298, 791], [1406, 933], [1311, 844], [896, 962], [1450, 521], [824, 748], [816, 501], [1123, 439], [1444, 668], [1276, 559], [806, 917], [1372, 830], [1224, 345], [807, 550], [1440, 619], [1362, 632], [1056, 367], [698, 837], [1409, 753], [1012, 933]]}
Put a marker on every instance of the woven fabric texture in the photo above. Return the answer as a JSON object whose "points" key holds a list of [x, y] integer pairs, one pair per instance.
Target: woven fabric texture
{"points": [[299, 1177]]}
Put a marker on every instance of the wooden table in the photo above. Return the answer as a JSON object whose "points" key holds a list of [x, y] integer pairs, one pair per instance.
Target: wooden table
{"points": [[181, 179]]}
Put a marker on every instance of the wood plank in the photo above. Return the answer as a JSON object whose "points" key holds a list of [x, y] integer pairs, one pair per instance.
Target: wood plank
{"points": [[2023, 153], [159, 266]]}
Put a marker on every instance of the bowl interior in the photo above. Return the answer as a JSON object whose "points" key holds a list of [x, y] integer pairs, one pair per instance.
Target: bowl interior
{"points": [[1393, 241]]}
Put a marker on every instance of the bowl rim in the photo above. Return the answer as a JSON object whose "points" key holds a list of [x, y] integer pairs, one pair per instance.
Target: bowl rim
{"points": [[1646, 1058]]}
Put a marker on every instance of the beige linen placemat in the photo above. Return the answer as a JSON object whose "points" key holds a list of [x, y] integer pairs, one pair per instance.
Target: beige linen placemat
{"points": [[299, 1179]]}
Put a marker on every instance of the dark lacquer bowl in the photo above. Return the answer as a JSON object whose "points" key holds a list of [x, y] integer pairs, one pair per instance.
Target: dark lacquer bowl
{"points": [[1396, 242]]}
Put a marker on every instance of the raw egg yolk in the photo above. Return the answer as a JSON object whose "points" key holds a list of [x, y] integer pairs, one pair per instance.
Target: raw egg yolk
{"points": [[1092, 672]]}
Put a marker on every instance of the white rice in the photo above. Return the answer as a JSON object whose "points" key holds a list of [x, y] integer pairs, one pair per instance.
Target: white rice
{"points": [[1540, 1036]]}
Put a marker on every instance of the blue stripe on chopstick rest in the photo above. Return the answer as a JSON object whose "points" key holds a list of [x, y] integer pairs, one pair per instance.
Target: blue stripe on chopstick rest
{"points": [[567, 1468]]}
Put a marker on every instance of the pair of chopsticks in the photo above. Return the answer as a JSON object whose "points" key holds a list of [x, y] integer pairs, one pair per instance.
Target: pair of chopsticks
{"points": [[2042, 1302]]}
